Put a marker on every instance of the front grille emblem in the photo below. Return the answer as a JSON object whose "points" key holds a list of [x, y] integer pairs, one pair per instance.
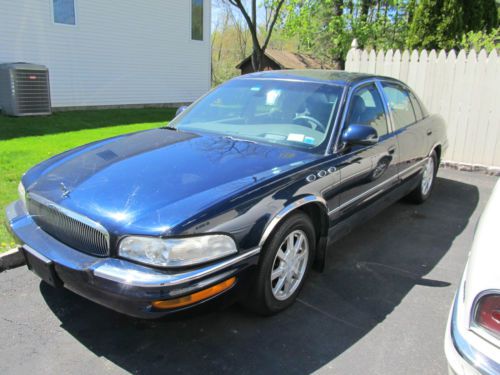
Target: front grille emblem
{"points": [[65, 190]]}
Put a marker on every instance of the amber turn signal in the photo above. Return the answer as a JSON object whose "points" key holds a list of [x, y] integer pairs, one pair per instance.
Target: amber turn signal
{"points": [[195, 297]]}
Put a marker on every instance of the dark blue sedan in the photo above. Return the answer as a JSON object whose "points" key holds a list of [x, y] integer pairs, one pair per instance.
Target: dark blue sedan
{"points": [[237, 199]]}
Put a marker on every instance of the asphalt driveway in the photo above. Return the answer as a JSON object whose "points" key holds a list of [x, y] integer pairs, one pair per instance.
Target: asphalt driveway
{"points": [[379, 308]]}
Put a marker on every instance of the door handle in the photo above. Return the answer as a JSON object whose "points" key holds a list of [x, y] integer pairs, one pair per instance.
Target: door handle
{"points": [[429, 131], [391, 149]]}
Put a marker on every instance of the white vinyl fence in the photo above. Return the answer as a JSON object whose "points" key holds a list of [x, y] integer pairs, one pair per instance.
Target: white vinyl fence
{"points": [[464, 88]]}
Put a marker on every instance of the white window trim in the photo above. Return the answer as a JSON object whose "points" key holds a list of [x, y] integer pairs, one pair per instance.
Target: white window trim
{"points": [[52, 15]]}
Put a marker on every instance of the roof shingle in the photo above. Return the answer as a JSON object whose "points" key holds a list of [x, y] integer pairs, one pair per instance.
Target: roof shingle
{"points": [[290, 60]]}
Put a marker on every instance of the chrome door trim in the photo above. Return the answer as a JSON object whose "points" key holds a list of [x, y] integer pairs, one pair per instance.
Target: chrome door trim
{"points": [[350, 177], [362, 195], [366, 194], [408, 171]]}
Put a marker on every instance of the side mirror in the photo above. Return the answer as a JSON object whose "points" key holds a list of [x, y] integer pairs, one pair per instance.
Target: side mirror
{"points": [[180, 110], [357, 134]]}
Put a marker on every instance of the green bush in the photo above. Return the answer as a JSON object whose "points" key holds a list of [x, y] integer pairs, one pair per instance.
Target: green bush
{"points": [[479, 39]]}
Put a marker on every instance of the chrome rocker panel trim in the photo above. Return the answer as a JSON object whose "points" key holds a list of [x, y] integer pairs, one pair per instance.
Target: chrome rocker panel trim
{"points": [[369, 193]]}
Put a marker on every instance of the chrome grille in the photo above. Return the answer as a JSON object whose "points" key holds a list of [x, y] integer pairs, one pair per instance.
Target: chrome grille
{"points": [[87, 236]]}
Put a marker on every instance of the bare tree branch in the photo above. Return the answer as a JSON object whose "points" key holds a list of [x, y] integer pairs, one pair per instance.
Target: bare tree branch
{"points": [[273, 22], [251, 20], [252, 27], [254, 12]]}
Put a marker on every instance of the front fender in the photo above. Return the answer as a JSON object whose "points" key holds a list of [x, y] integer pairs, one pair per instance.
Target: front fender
{"points": [[251, 217], [289, 208]]}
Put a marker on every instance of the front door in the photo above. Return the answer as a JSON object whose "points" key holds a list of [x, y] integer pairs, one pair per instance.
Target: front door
{"points": [[366, 171]]}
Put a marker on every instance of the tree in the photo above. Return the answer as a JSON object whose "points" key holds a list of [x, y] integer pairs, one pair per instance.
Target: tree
{"points": [[480, 15], [326, 27], [258, 48], [443, 23], [437, 24], [479, 39], [230, 42]]}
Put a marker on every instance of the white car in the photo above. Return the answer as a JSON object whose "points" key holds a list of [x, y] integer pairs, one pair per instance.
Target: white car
{"points": [[472, 339]]}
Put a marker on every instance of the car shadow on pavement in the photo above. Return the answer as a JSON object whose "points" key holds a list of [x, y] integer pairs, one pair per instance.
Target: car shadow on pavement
{"points": [[368, 273]]}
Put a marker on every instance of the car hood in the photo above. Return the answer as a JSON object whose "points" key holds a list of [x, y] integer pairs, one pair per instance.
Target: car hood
{"points": [[151, 181]]}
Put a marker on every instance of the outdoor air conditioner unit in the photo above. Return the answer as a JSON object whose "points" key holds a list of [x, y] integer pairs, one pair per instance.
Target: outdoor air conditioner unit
{"points": [[24, 89]]}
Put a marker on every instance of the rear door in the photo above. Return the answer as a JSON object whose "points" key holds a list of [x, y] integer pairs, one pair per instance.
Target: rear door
{"points": [[366, 171], [408, 126]]}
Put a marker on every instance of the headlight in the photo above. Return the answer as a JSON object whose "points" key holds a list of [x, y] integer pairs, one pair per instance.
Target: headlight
{"points": [[22, 192], [176, 252]]}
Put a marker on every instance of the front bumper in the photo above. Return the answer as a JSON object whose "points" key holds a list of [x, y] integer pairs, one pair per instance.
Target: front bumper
{"points": [[119, 284], [464, 358]]}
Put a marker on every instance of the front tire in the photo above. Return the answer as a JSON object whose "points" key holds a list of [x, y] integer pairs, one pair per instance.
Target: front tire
{"points": [[424, 189], [285, 262]]}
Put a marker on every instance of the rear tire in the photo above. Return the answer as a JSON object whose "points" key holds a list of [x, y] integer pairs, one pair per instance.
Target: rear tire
{"points": [[424, 189], [283, 267]]}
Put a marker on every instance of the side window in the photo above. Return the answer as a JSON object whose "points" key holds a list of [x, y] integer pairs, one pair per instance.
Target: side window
{"points": [[366, 108], [416, 107], [399, 102], [197, 19], [64, 12]]}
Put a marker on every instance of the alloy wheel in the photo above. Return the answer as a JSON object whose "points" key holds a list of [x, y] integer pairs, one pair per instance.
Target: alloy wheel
{"points": [[427, 177], [289, 265]]}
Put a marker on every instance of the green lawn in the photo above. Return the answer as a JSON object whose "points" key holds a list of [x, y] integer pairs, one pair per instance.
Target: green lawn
{"points": [[25, 141]]}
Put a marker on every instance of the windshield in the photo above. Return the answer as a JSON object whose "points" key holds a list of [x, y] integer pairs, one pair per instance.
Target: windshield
{"points": [[296, 114]]}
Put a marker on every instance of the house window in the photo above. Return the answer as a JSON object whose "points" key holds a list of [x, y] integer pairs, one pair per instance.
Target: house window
{"points": [[64, 12], [197, 19]]}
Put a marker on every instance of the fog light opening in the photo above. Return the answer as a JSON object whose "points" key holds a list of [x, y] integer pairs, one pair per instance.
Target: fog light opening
{"points": [[195, 297]]}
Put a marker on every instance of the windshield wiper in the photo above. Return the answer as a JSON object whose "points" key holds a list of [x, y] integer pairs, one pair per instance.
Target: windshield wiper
{"points": [[230, 137]]}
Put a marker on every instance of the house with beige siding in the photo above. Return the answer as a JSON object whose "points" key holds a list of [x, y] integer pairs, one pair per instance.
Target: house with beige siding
{"points": [[112, 53]]}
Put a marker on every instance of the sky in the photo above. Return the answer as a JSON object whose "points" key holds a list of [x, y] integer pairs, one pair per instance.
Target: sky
{"points": [[217, 12]]}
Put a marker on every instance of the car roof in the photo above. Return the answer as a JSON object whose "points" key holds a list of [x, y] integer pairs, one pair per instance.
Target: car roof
{"points": [[315, 75]]}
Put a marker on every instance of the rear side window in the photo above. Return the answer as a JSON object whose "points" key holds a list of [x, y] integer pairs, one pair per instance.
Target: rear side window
{"points": [[367, 109], [417, 107], [400, 105]]}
